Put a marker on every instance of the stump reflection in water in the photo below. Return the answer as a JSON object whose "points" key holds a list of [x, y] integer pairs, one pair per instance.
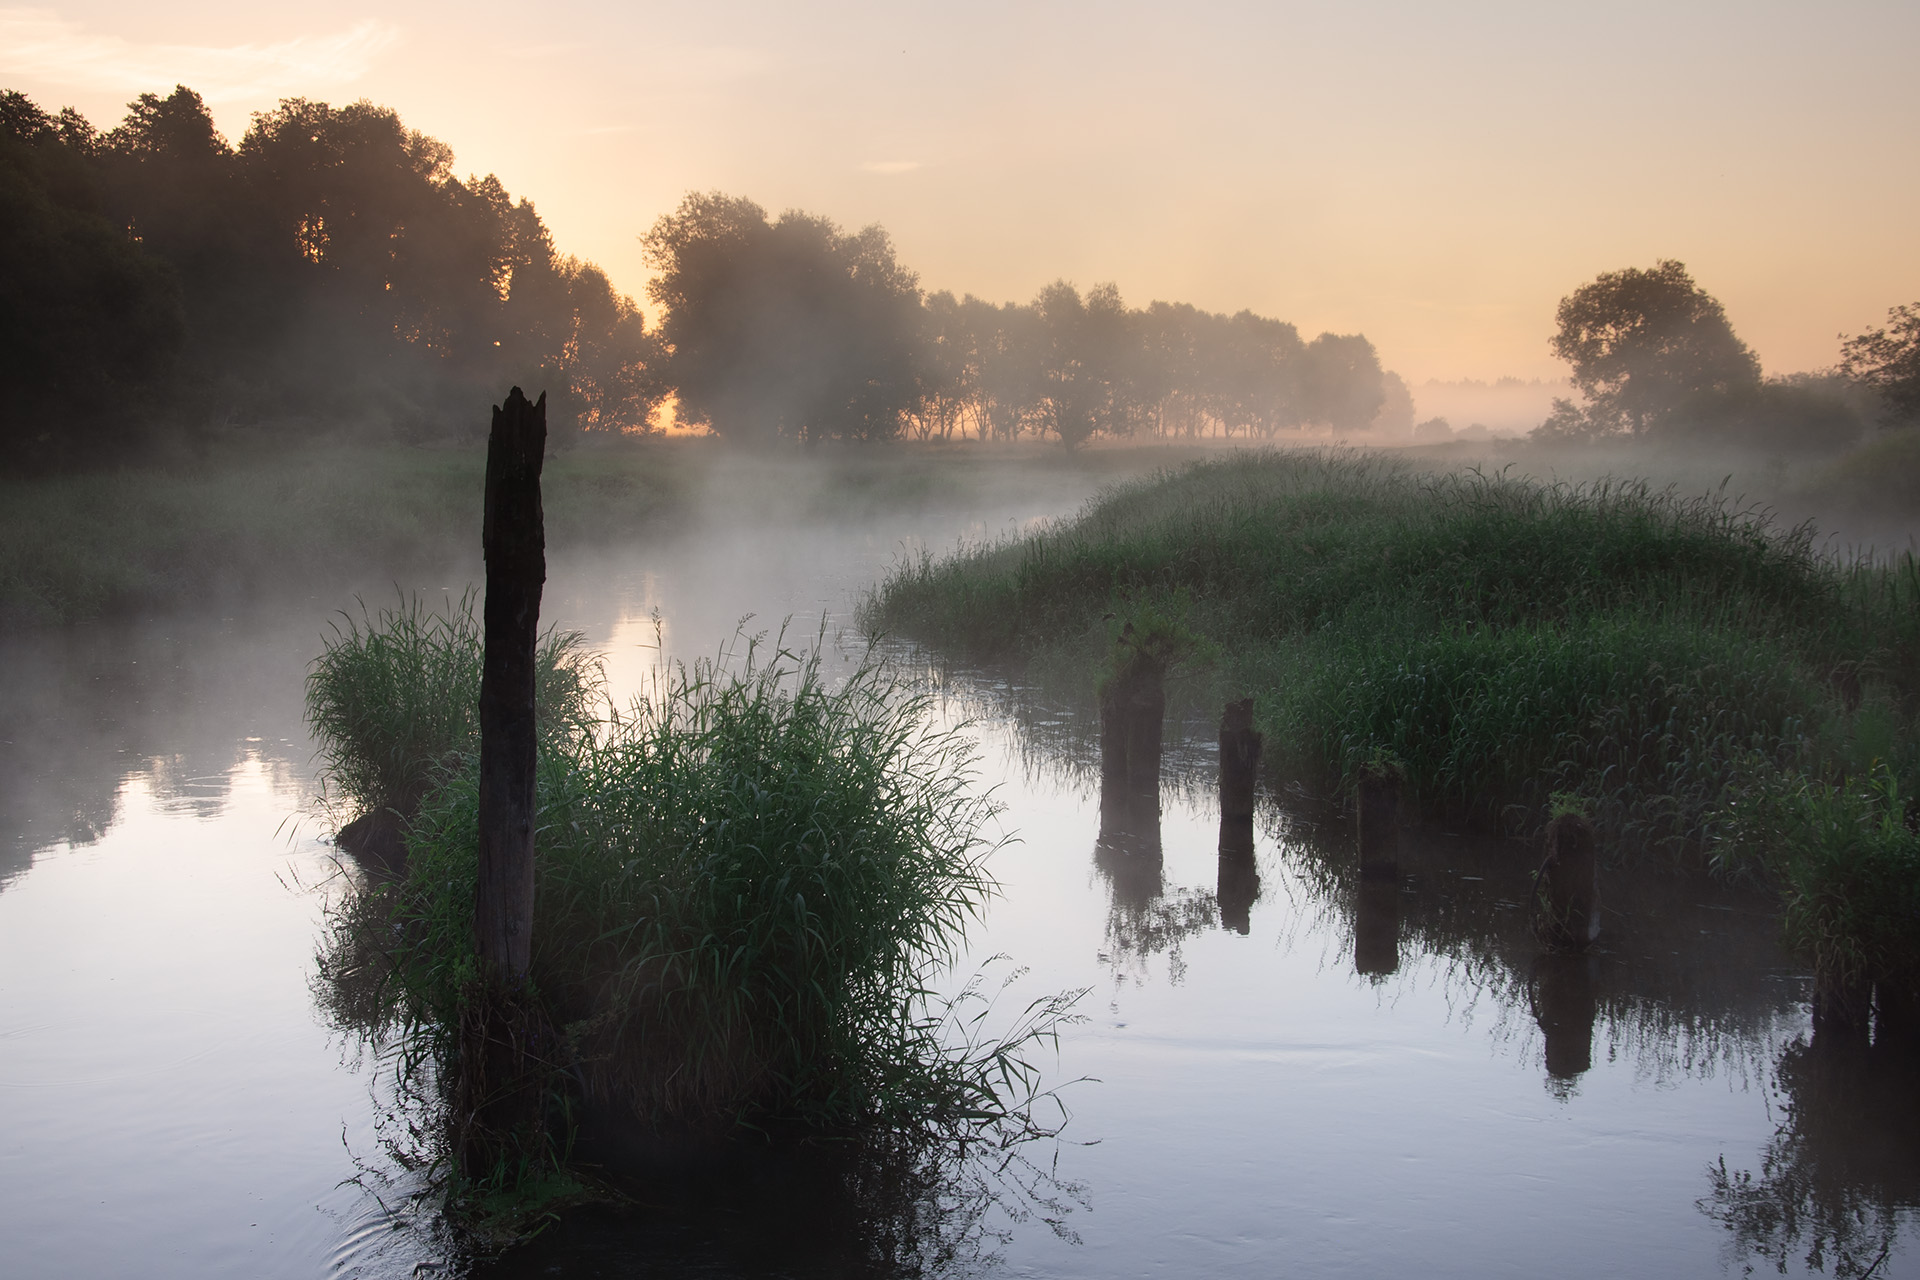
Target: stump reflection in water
{"points": [[1239, 878], [1564, 1004]]}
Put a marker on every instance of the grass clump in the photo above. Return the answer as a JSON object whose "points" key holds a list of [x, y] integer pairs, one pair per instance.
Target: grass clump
{"points": [[1845, 859], [394, 699], [748, 881], [1504, 639]]}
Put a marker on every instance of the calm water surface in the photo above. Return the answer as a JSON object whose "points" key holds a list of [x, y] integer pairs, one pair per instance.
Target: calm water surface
{"points": [[1315, 1082]]}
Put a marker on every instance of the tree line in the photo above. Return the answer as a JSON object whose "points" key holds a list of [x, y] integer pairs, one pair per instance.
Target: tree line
{"points": [[793, 328], [331, 267]]}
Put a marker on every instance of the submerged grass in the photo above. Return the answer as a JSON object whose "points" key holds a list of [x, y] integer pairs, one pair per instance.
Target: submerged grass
{"points": [[748, 881], [1504, 639]]}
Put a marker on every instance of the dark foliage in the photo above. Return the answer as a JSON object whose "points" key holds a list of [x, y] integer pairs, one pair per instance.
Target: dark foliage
{"points": [[794, 329], [1641, 343], [1888, 360], [329, 266]]}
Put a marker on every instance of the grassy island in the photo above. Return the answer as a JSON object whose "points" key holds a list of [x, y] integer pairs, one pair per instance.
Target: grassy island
{"points": [[747, 882], [1674, 665]]}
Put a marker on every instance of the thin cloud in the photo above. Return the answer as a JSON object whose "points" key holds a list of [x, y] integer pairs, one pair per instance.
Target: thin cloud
{"points": [[890, 166], [38, 43]]}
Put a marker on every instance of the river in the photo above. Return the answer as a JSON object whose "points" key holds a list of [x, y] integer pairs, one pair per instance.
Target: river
{"points": [[1292, 1077]]}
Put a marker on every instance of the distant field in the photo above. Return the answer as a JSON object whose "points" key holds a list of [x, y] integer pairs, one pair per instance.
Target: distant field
{"points": [[77, 547], [82, 546]]}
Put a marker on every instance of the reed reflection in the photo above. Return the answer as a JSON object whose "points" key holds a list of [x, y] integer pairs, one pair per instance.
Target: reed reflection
{"points": [[1839, 1184]]}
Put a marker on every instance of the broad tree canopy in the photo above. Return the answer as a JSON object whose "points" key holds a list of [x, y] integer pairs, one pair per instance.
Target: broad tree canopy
{"points": [[1641, 342], [788, 329]]}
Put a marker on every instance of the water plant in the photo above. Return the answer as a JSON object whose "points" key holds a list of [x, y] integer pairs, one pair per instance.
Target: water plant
{"points": [[749, 882], [1845, 860], [393, 699], [1504, 639]]}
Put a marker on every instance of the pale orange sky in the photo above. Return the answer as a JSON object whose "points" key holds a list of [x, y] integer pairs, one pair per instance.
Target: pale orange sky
{"points": [[1435, 177]]}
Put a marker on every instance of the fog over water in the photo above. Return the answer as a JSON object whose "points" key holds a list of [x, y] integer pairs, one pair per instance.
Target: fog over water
{"points": [[1315, 1080]]}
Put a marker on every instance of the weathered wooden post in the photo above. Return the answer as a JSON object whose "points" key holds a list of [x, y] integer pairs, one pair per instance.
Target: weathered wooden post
{"points": [[1379, 823], [1240, 746], [499, 1051], [1133, 708], [1239, 878], [1567, 900], [1842, 1011]]}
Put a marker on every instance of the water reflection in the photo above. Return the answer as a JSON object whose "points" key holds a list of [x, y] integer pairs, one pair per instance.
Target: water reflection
{"points": [[1376, 926], [1238, 886], [1685, 980], [686, 1199], [1561, 989], [1839, 1183], [179, 702]]}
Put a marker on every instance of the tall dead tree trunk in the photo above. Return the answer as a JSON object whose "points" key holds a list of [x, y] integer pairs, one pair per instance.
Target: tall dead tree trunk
{"points": [[500, 1050]]}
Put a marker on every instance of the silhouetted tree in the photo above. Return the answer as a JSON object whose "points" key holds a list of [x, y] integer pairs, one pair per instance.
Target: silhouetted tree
{"points": [[90, 321], [946, 371], [1011, 344], [1887, 360], [784, 329], [1640, 342], [1396, 407], [330, 265], [1343, 381]]}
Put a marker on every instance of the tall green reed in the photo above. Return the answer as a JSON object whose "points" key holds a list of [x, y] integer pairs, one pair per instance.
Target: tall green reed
{"points": [[1505, 638], [394, 698], [749, 881]]}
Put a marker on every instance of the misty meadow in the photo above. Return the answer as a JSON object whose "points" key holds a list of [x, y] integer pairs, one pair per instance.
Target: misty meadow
{"points": [[753, 757]]}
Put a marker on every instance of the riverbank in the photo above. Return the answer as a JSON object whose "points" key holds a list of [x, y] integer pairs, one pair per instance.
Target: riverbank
{"points": [[251, 518]]}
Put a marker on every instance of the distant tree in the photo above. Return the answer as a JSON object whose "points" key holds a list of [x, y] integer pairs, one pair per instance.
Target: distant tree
{"points": [[1111, 356], [1396, 407], [1887, 360], [1169, 368], [1641, 342], [1343, 381], [788, 329], [1570, 423], [1073, 390], [1432, 431], [1010, 342], [1802, 413], [946, 370], [1256, 372]]}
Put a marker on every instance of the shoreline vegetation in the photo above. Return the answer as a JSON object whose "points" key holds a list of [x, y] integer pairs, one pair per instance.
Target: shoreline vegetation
{"points": [[82, 546], [251, 515], [749, 884], [1704, 682]]}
